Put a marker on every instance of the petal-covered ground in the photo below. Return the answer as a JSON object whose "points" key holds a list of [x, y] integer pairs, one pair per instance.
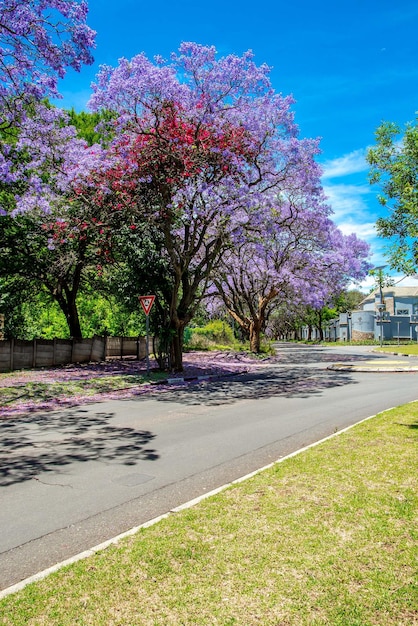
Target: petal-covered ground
{"points": [[26, 391]]}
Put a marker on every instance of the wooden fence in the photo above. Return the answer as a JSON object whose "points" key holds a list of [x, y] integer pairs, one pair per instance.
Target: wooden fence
{"points": [[17, 354]]}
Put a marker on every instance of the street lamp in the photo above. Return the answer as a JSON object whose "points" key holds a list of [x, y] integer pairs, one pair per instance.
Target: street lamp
{"points": [[379, 319], [348, 326]]}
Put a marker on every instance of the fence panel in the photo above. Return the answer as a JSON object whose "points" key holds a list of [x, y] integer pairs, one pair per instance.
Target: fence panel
{"points": [[20, 354], [119, 347], [17, 354]]}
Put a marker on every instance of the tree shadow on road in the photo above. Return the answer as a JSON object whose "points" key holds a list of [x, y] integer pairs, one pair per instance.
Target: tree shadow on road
{"points": [[305, 355], [266, 383], [47, 442]]}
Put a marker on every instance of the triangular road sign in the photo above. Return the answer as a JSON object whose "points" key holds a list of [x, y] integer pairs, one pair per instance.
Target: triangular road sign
{"points": [[146, 303]]}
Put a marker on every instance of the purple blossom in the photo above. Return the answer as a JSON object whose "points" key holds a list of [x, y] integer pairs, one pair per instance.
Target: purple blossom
{"points": [[196, 364], [35, 48], [39, 39]]}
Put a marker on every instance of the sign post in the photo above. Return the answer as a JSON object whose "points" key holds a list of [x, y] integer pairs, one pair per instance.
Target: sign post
{"points": [[146, 303]]}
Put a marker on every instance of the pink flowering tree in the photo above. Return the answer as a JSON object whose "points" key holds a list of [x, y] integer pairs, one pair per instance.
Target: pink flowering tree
{"points": [[199, 142]]}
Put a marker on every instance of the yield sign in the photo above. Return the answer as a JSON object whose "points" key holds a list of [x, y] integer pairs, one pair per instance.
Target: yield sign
{"points": [[146, 303]]}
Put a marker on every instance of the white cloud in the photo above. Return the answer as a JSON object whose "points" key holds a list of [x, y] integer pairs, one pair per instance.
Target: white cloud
{"points": [[400, 280], [351, 163], [366, 230], [348, 199], [353, 202]]}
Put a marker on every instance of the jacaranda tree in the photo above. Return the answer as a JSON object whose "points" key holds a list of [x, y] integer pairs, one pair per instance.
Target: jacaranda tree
{"points": [[200, 144], [301, 260], [48, 238], [39, 39]]}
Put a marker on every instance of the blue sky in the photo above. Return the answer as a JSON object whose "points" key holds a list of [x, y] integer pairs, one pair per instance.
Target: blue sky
{"points": [[349, 65]]}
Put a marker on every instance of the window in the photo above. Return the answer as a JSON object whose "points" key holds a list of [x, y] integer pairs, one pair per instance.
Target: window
{"points": [[402, 312]]}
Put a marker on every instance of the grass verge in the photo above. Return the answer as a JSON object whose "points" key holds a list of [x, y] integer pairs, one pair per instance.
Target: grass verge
{"points": [[409, 349], [38, 392], [326, 537]]}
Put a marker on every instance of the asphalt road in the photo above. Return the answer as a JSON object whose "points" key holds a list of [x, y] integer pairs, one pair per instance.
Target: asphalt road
{"points": [[76, 477]]}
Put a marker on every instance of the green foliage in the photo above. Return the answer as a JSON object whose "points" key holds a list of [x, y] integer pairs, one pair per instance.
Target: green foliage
{"points": [[216, 330], [105, 315], [347, 301], [34, 314], [87, 125], [44, 319], [394, 167], [26, 253], [218, 335], [30, 313]]}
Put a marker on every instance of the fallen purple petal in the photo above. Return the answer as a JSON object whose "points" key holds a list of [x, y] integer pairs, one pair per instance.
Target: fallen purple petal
{"points": [[198, 367]]}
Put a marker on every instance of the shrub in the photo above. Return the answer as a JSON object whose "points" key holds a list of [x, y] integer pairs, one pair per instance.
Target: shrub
{"points": [[215, 332]]}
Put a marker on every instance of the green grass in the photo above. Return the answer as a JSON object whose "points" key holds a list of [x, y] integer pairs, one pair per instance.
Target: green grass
{"points": [[391, 347], [42, 392], [328, 537], [409, 349]]}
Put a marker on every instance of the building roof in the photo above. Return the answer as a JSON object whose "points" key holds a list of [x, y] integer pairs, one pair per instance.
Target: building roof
{"points": [[391, 292]]}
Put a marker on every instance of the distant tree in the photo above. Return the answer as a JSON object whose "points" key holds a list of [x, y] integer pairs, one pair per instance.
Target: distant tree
{"points": [[316, 318], [348, 300], [394, 168], [88, 125], [303, 261]]}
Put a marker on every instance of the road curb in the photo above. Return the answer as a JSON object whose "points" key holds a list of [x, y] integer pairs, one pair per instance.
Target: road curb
{"points": [[345, 367]]}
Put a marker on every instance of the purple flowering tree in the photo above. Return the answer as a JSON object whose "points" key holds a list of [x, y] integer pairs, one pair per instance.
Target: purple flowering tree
{"points": [[39, 39], [203, 148], [302, 260]]}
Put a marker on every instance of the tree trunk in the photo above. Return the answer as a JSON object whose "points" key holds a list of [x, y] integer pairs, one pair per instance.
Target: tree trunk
{"points": [[74, 322], [71, 315], [176, 350], [255, 336]]}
